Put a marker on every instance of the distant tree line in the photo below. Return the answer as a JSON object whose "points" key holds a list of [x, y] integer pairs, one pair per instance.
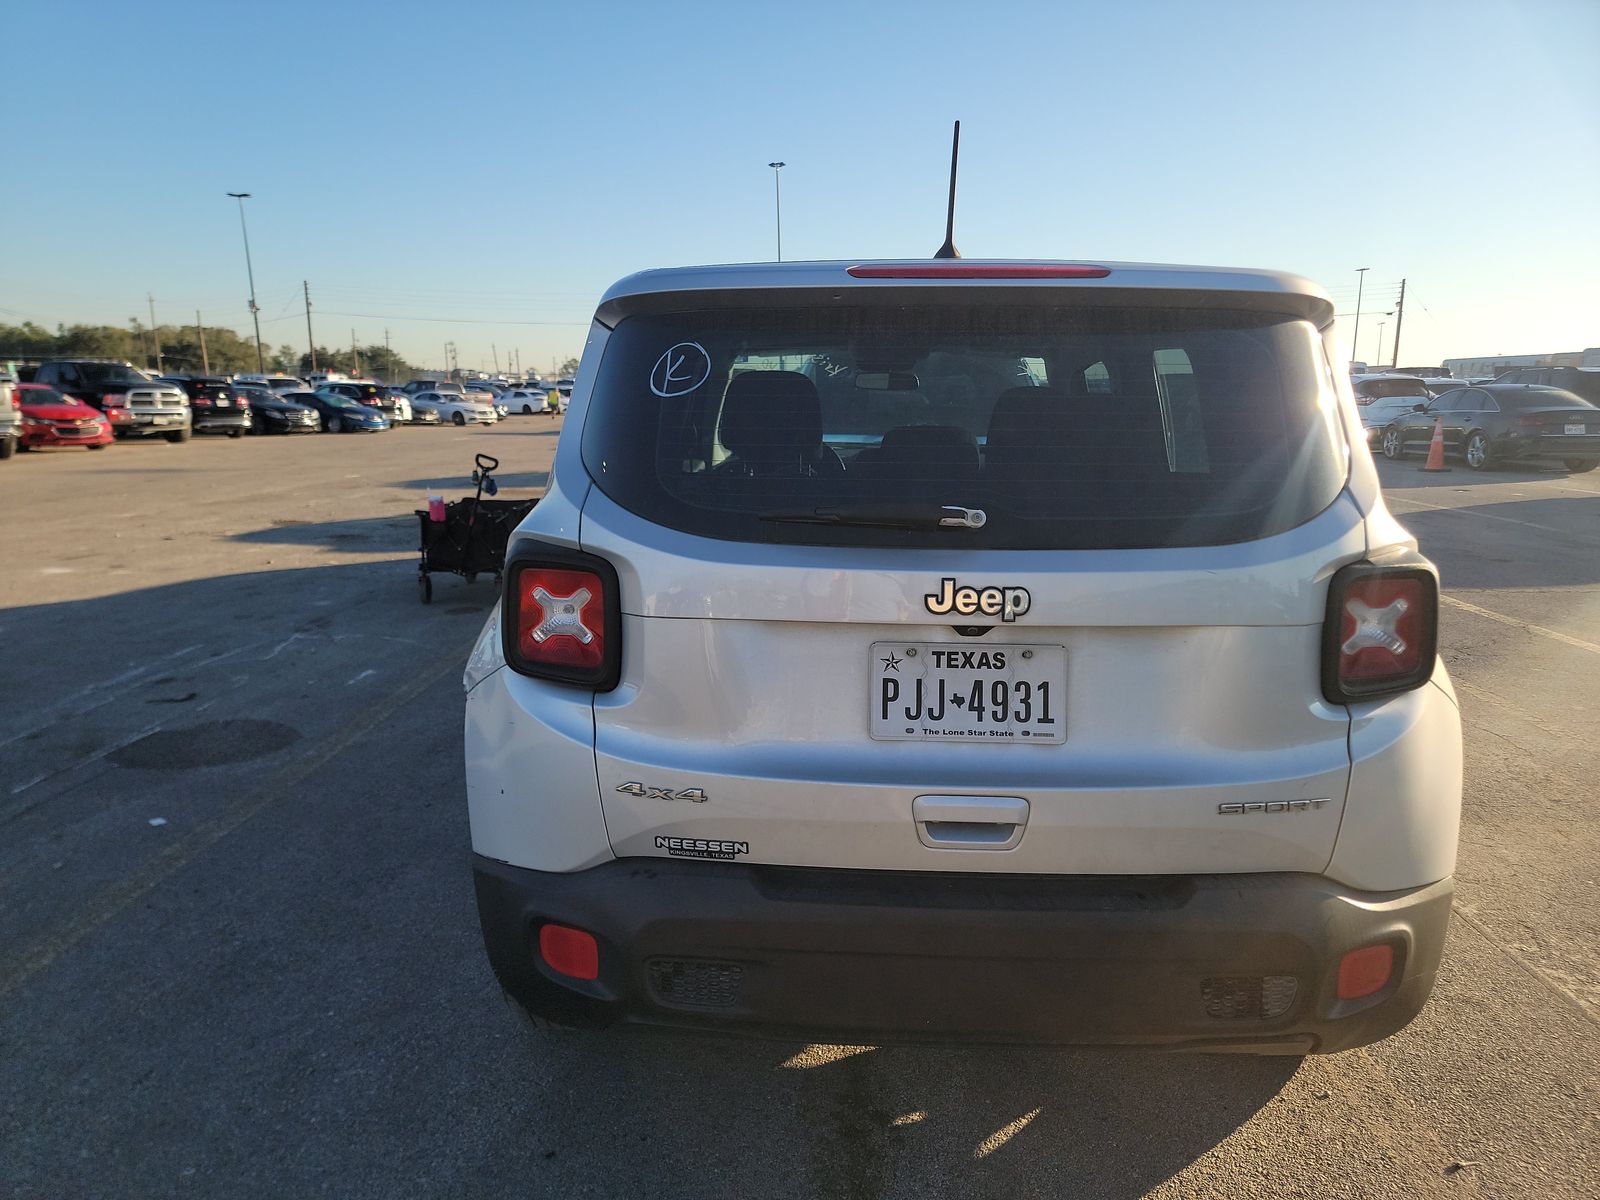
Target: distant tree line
{"points": [[226, 353]]}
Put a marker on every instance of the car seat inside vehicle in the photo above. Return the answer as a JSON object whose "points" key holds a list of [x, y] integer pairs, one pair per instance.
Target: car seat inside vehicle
{"points": [[771, 425]]}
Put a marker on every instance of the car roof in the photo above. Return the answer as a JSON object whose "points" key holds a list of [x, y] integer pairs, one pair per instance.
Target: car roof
{"points": [[1126, 282], [1522, 389]]}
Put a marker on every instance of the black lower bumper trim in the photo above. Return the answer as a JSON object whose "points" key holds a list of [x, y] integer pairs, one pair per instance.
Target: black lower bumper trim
{"points": [[867, 956]]}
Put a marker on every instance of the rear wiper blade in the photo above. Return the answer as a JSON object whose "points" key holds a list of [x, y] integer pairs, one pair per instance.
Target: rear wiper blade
{"points": [[884, 516]]}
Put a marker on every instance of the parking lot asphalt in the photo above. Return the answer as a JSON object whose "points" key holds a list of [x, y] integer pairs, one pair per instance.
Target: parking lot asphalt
{"points": [[239, 954]]}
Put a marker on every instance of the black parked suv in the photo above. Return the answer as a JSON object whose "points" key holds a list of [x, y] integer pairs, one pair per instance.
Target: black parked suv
{"points": [[135, 404], [217, 407], [1583, 382]]}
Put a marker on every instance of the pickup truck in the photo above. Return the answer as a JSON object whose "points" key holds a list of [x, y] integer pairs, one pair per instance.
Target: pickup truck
{"points": [[135, 404]]}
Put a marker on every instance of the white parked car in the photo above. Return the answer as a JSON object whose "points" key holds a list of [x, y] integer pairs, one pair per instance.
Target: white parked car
{"points": [[455, 408], [525, 400], [1381, 398], [961, 649]]}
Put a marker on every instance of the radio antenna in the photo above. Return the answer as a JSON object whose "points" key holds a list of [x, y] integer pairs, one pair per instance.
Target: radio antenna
{"points": [[948, 250]]}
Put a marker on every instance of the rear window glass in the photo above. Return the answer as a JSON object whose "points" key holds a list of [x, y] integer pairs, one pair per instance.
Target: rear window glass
{"points": [[102, 373], [1068, 427], [1382, 389]]}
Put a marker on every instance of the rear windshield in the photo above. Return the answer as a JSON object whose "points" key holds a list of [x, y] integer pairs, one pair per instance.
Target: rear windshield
{"points": [[1382, 389], [102, 373], [1068, 427]]}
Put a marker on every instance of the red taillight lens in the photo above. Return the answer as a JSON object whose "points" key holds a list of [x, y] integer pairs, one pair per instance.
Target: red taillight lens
{"points": [[1364, 972], [978, 270], [560, 619], [571, 952], [1381, 633], [1526, 421]]}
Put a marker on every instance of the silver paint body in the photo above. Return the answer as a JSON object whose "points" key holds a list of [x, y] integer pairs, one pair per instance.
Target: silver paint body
{"points": [[1192, 681]]}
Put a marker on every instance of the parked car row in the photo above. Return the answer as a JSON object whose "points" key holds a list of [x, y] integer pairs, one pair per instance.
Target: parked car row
{"points": [[1531, 415], [91, 403]]}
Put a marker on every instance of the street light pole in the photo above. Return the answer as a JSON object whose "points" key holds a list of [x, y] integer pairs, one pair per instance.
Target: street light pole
{"points": [[777, 200], [1379, 359], [255, 310], [1355, 338]]}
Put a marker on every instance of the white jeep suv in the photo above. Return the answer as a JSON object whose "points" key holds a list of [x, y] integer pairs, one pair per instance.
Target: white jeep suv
{"points": [[965, 650]]}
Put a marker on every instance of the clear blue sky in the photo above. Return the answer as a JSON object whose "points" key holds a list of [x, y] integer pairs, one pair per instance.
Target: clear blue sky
{"points": [[508, 161]]}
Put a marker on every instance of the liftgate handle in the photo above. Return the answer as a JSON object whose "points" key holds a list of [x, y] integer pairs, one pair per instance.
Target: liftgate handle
{"points": [[486, 462]]}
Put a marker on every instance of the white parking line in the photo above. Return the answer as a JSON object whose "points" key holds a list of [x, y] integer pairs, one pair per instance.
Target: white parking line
{"points": [[1542, 631], [1582, 537]]}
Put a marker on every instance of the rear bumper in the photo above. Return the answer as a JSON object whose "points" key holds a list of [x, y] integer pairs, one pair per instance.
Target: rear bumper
{"points": [[862, 956], [221, 422], [1549, 447]]}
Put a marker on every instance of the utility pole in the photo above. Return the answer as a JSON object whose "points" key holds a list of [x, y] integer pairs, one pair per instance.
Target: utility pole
{"points": [[1355, 338], [200, 328], [311, 342], [154, 331], [388, 357], [1399, 319], [355, 354], [496, 354]]}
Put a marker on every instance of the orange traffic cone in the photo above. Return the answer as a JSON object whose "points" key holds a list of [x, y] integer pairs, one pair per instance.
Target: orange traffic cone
{"points": [[1436, 448]]}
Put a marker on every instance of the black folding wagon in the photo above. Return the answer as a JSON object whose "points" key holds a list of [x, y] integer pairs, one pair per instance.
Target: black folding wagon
{"points": [[471, 540]]}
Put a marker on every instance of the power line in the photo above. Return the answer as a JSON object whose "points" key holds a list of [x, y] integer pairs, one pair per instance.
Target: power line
{"points": [[450, 320]]}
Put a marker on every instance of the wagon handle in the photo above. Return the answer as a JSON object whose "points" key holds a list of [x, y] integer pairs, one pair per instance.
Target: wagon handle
{"points": [[486, 462]]}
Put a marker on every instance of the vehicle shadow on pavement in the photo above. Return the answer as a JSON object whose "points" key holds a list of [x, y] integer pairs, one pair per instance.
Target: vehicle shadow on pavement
{"points": [[1408, 473], [900, 1121], [397, 533], [1487, 544], [451, 485]]}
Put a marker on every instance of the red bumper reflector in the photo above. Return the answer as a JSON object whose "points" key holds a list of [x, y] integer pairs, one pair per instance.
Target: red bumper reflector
{"points": [[1365, 971], [978, 270], [570, 952]]}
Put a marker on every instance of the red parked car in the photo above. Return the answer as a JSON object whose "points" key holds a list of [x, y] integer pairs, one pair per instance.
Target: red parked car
{"points": [[51, 419]]}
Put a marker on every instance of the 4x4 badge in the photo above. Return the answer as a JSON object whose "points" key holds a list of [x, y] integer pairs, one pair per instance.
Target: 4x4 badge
{"points": [[693, 795], [1007, 603]]}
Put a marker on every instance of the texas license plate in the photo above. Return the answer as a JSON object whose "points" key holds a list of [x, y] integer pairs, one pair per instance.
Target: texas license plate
{"points": [[939, 691], [1577, 430]]}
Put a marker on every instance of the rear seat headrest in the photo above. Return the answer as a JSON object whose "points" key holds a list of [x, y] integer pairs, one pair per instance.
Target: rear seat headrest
{"points": [[771, 415], [937, 449]]}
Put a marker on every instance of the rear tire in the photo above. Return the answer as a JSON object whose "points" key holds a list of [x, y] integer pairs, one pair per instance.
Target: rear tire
{"points": [[9, 446], [101, 446], [335, 425], [1392, 447], [458, 419], [179, 436], [1477, 452], [527, 410], [1579, 465]]}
